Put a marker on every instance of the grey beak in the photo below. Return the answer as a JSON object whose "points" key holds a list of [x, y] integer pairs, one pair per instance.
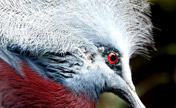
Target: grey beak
{"points": [[130, 97], [134, 100], [118, 86]]}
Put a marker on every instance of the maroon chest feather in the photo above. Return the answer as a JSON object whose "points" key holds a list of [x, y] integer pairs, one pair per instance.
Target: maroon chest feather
{"points": [[34, 91]]}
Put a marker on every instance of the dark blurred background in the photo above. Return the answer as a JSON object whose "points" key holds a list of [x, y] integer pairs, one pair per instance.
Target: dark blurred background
{"points": [[155, 79]]}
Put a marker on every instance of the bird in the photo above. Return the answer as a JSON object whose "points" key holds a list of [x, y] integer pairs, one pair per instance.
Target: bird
{"points": [[66, 53]]}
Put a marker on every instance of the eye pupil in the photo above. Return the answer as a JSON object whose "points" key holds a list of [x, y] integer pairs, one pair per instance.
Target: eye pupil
{"points": [[112, 58]]}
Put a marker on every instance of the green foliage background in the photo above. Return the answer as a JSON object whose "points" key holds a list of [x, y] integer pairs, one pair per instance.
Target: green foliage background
{"points": [[155, 79]]}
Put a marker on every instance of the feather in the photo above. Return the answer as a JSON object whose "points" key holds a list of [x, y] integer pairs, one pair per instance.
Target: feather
{"points": [[34, 91], [60, 26]]}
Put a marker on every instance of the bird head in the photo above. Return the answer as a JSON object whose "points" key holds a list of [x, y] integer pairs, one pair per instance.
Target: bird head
{"points": [[85, 45]]}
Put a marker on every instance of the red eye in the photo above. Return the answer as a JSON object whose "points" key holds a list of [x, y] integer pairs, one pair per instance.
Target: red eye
{"points": [[112, 58]]}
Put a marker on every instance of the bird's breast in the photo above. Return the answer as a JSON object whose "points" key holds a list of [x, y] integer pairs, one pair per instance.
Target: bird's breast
{"points": [[33, 90]]}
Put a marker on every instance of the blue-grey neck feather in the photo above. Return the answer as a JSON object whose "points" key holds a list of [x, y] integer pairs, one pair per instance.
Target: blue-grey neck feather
{"points": [[65, 69], [11, 59]]}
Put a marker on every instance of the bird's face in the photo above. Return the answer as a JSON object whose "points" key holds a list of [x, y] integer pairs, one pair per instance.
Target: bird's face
{"points": [[94, 70], [106, 71]]}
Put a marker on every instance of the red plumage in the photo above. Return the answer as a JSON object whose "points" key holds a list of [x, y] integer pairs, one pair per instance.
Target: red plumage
{"points": [[34, 91]]}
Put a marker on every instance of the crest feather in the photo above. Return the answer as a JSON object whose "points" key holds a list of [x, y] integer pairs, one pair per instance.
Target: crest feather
{"points": [[58, 26]]}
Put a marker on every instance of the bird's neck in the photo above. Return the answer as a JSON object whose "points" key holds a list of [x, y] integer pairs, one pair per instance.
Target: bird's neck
{"points": [[31, 89]]}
